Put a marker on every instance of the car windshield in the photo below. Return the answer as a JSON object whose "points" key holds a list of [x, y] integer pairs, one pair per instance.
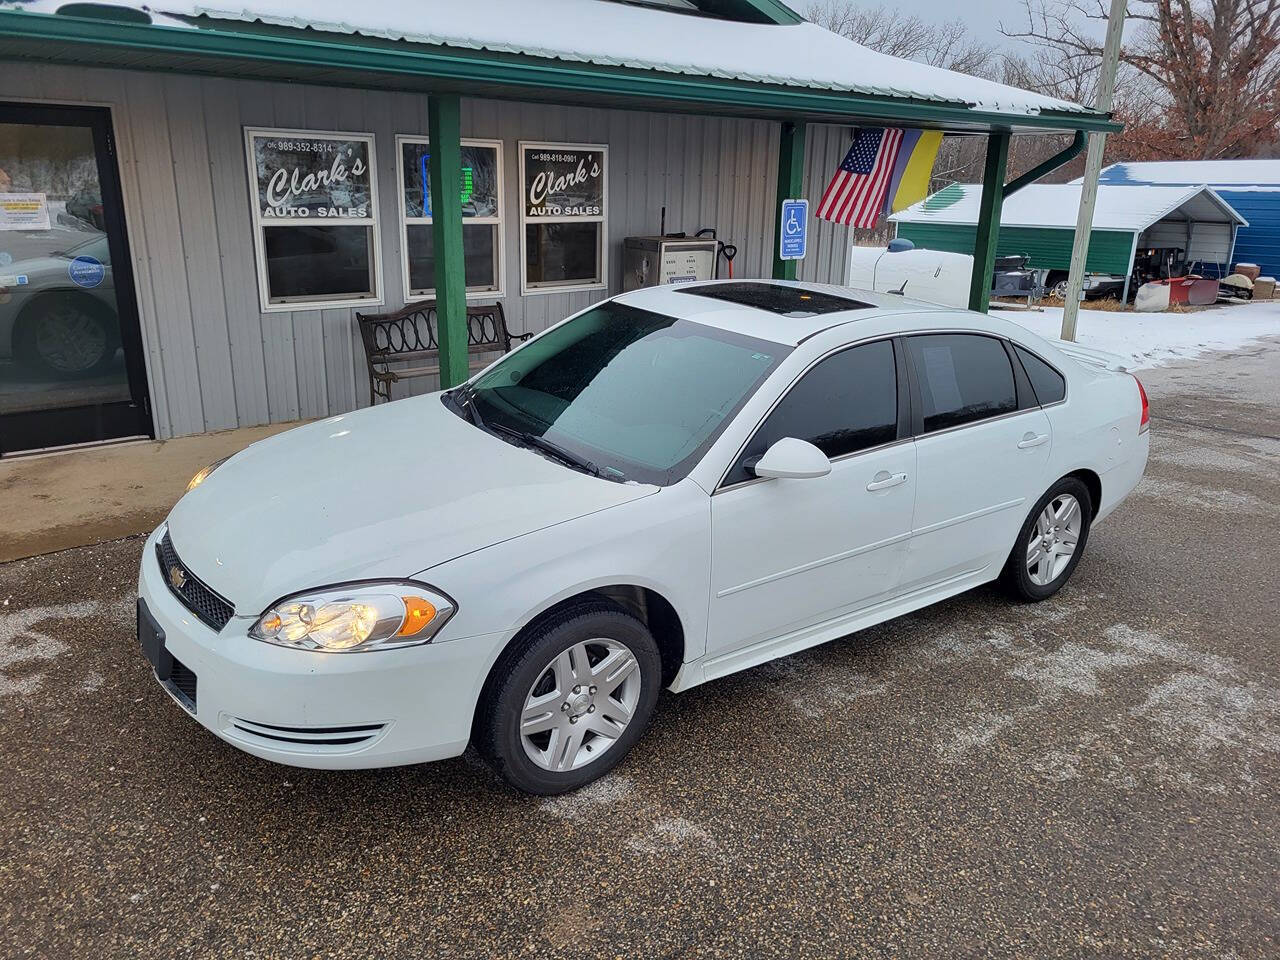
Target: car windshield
{"points": [[621, 392]]}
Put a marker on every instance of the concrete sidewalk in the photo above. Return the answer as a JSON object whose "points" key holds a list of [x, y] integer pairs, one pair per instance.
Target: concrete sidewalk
{"points": [[80, 497]]}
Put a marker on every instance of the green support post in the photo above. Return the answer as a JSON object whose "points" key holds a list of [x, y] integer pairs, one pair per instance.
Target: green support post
{"points": [[790, 187], [984, 251], [445, 166]]}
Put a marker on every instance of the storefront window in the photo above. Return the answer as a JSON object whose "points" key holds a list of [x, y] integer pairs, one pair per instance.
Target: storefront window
{"points": [[315, 213], [481, 191], [564, 216]]}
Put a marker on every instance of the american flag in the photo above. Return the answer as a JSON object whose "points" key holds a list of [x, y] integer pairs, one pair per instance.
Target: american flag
{"points": [[856, 193]]}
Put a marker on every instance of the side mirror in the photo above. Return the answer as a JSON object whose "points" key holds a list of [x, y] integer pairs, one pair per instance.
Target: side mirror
{"points": [[794, 459]]}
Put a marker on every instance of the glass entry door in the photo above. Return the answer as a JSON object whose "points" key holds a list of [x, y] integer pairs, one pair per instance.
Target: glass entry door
{"points": [[71, 368]]}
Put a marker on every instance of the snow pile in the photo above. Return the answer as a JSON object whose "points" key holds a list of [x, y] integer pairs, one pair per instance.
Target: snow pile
{"points": [[1152, 339]]}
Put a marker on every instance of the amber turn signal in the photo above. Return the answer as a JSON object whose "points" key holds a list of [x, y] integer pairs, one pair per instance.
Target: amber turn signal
{"points": [[418, 614]]}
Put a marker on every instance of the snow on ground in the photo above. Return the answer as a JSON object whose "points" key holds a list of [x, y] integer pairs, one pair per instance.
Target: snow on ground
{"points": [[1153, 339]]}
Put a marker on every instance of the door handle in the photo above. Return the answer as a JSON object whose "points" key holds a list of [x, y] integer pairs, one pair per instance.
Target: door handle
{"points": [[884, 480], [1032, 440]]}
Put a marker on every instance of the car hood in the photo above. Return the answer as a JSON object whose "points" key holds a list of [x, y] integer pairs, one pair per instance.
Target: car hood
{"points": [[387, 491]]}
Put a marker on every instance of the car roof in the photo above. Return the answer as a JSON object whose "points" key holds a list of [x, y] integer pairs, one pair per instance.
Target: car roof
{"points": [[678, 300]]}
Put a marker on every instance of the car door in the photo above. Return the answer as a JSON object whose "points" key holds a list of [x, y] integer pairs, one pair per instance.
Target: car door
{"points": [[982, 451], [789, 553]]}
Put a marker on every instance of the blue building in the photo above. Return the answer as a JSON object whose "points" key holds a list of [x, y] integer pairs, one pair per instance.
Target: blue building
{"points": [[1252, 187]]}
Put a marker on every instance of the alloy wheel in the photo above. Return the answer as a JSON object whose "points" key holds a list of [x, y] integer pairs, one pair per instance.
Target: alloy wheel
{"points": [[1054, 539], [70, 340], [580, 704]]}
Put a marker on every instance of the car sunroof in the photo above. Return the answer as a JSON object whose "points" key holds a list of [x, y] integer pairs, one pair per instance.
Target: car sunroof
{"points": [[776, 298]]}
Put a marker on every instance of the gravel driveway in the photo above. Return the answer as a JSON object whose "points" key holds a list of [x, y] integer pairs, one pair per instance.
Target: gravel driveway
{"points": [[1091, 776]]}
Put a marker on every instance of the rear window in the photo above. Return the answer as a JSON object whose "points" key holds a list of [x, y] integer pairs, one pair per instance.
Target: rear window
{"points": [[963, 377], [784, 301], [1048, 383]]}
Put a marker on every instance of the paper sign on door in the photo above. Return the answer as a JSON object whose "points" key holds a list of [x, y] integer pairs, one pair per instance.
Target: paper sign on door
{"points": [[24, 211]]}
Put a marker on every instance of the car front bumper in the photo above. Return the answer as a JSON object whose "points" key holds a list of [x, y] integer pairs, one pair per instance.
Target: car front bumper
{"points": [[312, 709]]}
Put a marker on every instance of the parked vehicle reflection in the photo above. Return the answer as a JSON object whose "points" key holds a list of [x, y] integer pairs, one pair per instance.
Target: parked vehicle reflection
{"points": [[59, 331]]}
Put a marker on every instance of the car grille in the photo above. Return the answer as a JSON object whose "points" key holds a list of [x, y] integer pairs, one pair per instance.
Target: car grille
{"points": [[182, 684], [312, 739], [212, 609]]}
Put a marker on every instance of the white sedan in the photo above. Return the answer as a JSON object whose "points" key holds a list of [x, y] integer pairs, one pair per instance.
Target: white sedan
{"points": [[670, 486]]}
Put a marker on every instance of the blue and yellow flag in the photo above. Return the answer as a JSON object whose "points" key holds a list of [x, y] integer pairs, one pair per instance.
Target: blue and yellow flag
{"points": [[913, 170]]}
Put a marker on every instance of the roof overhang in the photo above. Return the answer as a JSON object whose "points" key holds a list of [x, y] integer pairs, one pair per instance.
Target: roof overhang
{"points": [[1129, 208], [1202, 204], [259, 51]]}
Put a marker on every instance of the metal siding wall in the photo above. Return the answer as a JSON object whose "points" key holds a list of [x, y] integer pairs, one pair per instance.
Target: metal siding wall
{"points": [[157, 217], [1260, 241], [828, 256], [1048, 249], [215, 360], [708, 172]]}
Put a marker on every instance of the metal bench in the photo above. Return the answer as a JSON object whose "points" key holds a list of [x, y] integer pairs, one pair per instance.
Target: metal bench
{"points": [[411, 337]]}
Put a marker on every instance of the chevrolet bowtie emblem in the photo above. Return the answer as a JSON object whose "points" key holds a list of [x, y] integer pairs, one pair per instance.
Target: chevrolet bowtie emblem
{"points": [[177, 577]]}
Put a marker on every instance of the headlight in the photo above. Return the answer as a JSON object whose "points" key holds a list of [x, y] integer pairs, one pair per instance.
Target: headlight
{"points": [[203, 475], [370, 616]]}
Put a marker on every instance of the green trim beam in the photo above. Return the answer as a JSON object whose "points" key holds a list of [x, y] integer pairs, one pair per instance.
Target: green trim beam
{"points": [[989, 206], [444, 129], [774, 11], [334, 60], [790, 187]]}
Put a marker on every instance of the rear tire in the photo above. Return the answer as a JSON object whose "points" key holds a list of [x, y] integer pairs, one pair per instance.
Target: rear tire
{"points": [[569, 700], [1050, 542]]}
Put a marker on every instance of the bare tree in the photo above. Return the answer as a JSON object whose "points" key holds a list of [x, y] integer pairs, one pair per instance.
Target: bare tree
{"points": [[890, 31], [1200, 78]]}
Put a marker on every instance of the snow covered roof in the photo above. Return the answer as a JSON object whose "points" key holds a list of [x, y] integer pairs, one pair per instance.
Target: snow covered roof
{"points": [[608, 33], [1216, 173], [1056, 205]]}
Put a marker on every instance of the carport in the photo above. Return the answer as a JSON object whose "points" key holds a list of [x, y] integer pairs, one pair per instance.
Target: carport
{"points": [[710, 111], [1039, 222]]}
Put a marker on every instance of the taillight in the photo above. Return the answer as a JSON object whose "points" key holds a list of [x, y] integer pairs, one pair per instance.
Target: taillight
{"points": [[1145, 423]]}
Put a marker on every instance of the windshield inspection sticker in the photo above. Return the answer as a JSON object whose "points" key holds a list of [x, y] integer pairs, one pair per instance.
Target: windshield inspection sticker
{"points": [[86, 271]]}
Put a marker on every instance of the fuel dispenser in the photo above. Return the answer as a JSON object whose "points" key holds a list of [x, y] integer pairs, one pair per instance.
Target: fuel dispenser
{"points": [[673, 257]]}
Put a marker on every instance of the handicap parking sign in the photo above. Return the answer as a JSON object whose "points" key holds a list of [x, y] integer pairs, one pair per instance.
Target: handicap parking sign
{"points": [[793, 230]]}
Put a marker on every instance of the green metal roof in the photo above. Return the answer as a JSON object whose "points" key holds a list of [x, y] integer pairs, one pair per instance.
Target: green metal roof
{"points": [[302, 54], [1046, 248]]}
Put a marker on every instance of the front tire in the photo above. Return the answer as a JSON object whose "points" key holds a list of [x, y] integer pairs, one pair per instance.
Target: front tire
{"points": [[569, 700], [1050, 543]]}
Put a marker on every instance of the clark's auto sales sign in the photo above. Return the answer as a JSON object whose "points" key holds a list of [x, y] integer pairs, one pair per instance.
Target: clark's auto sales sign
{"points": [[562, 182], [306, 176]]}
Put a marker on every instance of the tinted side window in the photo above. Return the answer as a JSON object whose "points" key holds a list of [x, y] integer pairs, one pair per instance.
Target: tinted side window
{"points": [[963, 377], [846, 403], [1047, 382]]}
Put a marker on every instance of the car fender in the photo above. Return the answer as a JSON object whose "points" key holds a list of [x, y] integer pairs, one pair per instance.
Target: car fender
{"points": [[660, 542], [1097, 429]]}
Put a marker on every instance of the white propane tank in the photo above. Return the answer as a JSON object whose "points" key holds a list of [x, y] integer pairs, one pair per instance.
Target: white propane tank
{"points": [[933, 276]]}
